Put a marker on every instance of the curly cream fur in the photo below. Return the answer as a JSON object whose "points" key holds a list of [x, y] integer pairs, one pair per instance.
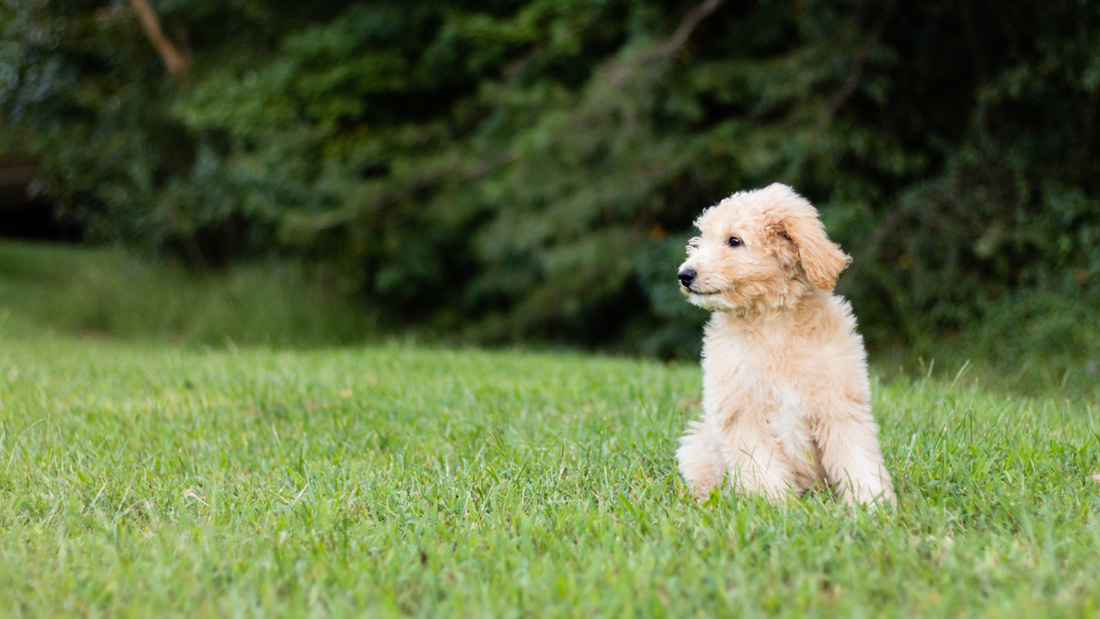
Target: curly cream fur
{"points": [[786, 399]]}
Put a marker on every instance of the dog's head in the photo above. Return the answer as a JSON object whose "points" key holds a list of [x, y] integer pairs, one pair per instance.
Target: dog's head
{"points": [[759, 249]]}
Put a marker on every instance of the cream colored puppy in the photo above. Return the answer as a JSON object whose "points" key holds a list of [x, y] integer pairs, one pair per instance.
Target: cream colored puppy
{"points": [[786, 400]]}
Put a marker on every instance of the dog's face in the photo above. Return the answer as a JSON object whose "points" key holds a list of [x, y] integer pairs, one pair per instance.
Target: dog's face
{"points": [[759, 249]]}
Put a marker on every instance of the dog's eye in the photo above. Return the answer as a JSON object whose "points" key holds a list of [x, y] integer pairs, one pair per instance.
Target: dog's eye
{"points": [[735, 242]]}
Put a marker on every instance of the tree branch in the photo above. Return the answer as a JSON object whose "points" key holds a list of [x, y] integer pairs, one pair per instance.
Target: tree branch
{"points": [[848, 88], [670, 46], [175, 61], [680, 37]]}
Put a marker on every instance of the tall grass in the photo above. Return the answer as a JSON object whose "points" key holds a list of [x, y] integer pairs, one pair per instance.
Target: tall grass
{"points": [[108, 293]]}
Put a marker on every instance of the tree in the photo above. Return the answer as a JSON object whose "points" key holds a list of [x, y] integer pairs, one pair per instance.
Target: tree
{"points": [[530, 169]]}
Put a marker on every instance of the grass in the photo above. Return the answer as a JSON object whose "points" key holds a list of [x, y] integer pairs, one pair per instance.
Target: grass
{"points": [[105, 292], [140, 478]]}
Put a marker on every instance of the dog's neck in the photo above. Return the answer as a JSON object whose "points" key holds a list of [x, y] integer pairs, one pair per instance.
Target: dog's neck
{"points": [[789, 310]]}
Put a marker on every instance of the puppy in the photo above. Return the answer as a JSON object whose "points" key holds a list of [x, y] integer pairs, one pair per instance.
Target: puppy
{"points": [[786, 399]]}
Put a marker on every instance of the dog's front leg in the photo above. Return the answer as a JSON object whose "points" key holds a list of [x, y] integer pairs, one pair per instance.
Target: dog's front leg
{"points": [[700, 460], [756, 464], [847, 440]]}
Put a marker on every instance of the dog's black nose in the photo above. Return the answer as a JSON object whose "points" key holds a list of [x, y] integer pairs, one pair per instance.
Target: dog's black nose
{"points": [[687, 276]]}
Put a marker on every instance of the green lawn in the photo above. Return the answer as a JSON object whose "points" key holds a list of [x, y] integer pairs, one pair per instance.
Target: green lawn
{"points": [[142, 478]]}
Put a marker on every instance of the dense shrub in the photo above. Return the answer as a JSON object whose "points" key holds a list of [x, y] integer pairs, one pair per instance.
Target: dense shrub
{"points": [[513, 170]]}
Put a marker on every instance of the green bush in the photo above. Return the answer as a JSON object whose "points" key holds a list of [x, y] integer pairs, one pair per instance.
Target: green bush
{"points": [[526, 170]]}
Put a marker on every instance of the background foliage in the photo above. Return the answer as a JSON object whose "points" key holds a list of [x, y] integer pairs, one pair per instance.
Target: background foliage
{"points": [[511, 170]]}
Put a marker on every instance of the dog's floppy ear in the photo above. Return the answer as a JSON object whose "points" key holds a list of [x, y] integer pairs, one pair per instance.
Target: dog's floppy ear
{"points": [[796, 219]]}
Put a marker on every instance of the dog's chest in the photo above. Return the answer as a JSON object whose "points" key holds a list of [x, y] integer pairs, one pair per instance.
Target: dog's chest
{"points": [[743, 383], [788, 421]]}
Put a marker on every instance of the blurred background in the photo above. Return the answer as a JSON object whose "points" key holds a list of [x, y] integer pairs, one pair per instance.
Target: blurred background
{"points": [[526, 172]]}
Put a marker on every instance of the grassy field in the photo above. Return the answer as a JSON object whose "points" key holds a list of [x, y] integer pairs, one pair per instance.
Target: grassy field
{"points": [[141, 478]]}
